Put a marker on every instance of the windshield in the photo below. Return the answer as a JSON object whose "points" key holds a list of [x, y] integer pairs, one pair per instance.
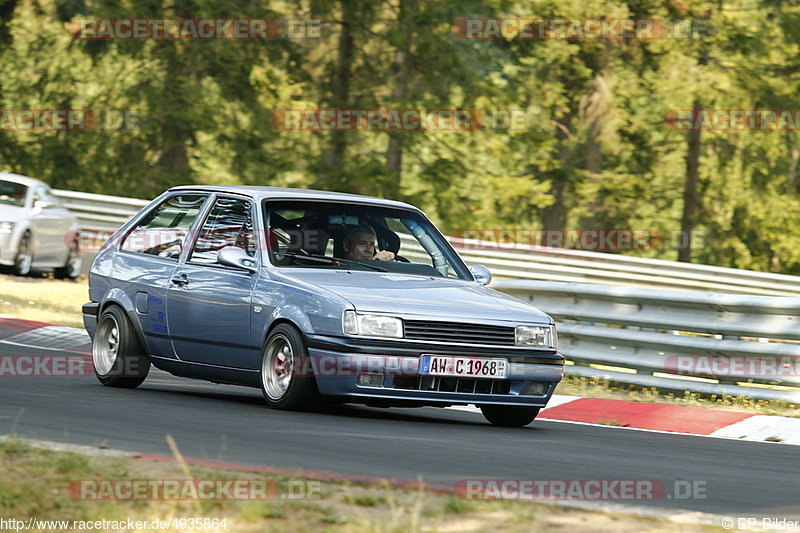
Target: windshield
{"points": [[12, 193], [324, 235]]}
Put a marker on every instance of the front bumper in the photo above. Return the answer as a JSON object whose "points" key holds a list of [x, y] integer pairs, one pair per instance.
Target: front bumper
{"points": [[338, 362]]}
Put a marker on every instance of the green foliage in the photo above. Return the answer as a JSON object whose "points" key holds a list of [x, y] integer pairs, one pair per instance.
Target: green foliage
{"points": [[595, 151]]}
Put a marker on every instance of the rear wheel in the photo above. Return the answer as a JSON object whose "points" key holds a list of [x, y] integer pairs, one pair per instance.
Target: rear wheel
{"points": [[287, 380], [24, 258], [72, 268], [509, 415], [118, 357]]}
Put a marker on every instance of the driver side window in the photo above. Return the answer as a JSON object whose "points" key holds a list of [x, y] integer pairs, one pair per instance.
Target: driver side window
{"points": [[229, 224]]}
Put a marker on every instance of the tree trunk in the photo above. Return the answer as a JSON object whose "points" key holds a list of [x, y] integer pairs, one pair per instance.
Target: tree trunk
{"points": [[8, 147], [173, 162], [340, 97], [793, 167], [690, 196], [176, 132], [554, 216], [595, 110], [394, 152]]}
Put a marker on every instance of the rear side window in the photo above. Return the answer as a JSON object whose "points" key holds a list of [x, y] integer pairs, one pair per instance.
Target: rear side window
{"points": [[229, 224], [164, 230]]}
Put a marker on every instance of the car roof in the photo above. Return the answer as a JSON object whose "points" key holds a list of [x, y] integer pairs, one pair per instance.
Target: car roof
{"points": [[283, 193], [24, 180]]}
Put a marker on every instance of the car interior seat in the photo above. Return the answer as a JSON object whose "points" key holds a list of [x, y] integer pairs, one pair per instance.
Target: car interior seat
{"points": [[389, 240]]}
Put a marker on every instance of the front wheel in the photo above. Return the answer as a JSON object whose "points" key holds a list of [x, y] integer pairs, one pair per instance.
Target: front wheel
{"points": [[510, 416], [287, 379], [118, 357], [24, 258]]}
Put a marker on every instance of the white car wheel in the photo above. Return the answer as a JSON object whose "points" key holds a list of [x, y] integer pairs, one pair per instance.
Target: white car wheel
{"points": [[72, 268], [24, 258]]}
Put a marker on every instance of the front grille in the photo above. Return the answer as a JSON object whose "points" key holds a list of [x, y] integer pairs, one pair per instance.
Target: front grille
{"points": [[458, 333], [442, 384]]}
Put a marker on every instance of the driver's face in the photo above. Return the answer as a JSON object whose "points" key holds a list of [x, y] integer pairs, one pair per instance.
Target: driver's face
{"points": [[361, 247]]}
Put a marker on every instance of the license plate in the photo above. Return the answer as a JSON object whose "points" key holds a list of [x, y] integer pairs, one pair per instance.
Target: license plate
{"points": [[472, 367]]}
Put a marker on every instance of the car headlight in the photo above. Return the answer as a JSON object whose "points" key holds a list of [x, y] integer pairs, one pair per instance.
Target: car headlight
{"points": [[6, 227], [543, 336], [372, 325]]}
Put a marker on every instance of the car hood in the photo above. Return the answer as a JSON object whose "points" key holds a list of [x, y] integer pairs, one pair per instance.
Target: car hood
{"points": [[13, 213], [416, 295]]}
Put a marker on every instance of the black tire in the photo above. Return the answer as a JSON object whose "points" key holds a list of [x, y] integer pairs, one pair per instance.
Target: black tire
{"points": [[509, 416], [287, 378], [72, 267], [24, 257], [117, 354]]}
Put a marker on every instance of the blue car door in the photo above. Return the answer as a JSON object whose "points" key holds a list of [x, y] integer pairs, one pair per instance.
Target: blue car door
{"points": [[148, 256], [208, 304]]}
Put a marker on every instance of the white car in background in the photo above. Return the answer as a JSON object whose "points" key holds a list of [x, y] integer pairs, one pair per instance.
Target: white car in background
{"points": [[36, 231]]}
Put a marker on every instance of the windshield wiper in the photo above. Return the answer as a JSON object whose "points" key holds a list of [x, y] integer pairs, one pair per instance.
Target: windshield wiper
{"points": [[367, 265], [312, 257], [332, 260]]}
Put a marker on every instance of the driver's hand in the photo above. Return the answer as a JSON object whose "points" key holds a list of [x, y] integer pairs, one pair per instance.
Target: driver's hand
{"points": [[384, 255]]}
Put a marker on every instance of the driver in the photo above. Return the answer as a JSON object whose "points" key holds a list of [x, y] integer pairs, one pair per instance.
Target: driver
{"points": [[359, 244]]}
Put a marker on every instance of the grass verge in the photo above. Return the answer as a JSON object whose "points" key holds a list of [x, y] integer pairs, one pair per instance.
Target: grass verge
{"points": [[35, 481], [44, 299]]}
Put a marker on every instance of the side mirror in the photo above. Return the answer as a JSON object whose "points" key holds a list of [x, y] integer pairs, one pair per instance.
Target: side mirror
{"points": [[481, 274], [237, 258], [43, 204]]}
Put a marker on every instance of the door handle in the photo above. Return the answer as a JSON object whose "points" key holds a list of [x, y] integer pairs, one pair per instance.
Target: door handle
{"points": [[180, 279]]}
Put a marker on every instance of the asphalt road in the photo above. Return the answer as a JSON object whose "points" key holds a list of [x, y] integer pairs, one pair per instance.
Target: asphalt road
{"points": [[440, 445]]}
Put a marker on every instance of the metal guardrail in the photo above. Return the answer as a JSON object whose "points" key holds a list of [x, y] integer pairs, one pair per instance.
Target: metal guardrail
{"points": [[720, 344], [570, 266], [630, 334], [578, 266], [99, 212]]}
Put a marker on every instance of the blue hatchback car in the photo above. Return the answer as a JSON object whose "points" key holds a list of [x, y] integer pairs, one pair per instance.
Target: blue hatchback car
{"points": [[313, 297]]}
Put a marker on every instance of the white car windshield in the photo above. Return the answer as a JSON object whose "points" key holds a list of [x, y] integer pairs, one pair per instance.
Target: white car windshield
{"points": [[12, 193]]}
